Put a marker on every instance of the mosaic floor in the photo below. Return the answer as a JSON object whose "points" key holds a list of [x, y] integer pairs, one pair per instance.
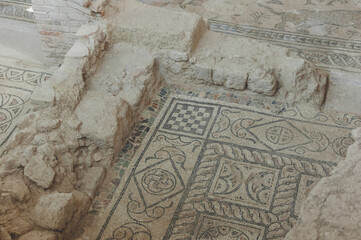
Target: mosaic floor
{"points": [[234, 168], [17, 10], [16, 86], [326, 32]]}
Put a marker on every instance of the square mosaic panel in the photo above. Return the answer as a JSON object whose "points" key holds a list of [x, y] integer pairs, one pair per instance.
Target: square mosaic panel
{"points": [[189, 118], [236, 173]]}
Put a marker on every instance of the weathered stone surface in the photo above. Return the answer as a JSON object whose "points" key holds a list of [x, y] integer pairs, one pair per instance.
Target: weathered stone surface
{"points": [[39, 235], [262, 67], [354, 149], [97, 157], [54, 211], [308, 84], [230, 79], [39, 172], [178, 56], [264, 82], [129, 74], [92, 180], [356, 134], [48, 144], [78, 50], [22, 137], [17, 189], [27, 120], [103, 124], [141, 79], [68, 82], [46, 124], [4, 235], [18, 226], [81, 202], [6, 203], [158, 28], [98, 5], [43, 96], [332, 209], [87, 29]]}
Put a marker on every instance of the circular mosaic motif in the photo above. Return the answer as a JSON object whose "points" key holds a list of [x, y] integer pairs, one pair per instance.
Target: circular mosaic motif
{"points": [[279, 135], [158, 181]]}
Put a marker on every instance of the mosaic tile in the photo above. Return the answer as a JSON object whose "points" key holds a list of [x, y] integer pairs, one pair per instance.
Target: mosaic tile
{"points": [[172, 183], [16, 10], [16, 86], [326, 32]]}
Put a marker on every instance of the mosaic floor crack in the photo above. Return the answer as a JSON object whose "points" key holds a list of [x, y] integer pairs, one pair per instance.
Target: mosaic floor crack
{"points": [[236, 173]]}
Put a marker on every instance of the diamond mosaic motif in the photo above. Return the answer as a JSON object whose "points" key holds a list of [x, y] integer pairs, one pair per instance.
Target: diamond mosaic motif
{"points": [[243, 183], [279, 135]]}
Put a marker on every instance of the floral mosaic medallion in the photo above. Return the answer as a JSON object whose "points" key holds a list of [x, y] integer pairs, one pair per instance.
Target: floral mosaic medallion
{"points": [[13, 104], [217, 170], [16, 86]]}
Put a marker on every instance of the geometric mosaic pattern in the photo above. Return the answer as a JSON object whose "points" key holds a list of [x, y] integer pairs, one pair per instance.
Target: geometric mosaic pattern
{"points": [[17, 10], [331, 53], [16, 86], [325, 32], [13, 104], [23, 75], [244, 175], [189, 118]]}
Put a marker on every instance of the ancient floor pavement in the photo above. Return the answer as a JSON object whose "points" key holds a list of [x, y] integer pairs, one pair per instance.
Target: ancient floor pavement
{"points": [[208, 169], [204, 169], [16, 86], [326, 32], [17, 10]]}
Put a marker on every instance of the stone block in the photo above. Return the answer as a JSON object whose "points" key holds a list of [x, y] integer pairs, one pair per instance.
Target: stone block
{"points": [[18, 226], [158, 28], [235, 62], [332, 209], [92, 180], [78, 50], [230, 79], [17, 189], [39, 171], [356, 134], [43, 96], [133, 77], [102, 116], [262, 81], [354, 149], [87, 29], [39, 235], [53, 211], [4, 235], [45, 124]]}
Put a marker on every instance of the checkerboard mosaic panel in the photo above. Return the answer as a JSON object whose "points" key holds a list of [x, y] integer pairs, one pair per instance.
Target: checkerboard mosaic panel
{"points": [[189, 118], [234, 172]]}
